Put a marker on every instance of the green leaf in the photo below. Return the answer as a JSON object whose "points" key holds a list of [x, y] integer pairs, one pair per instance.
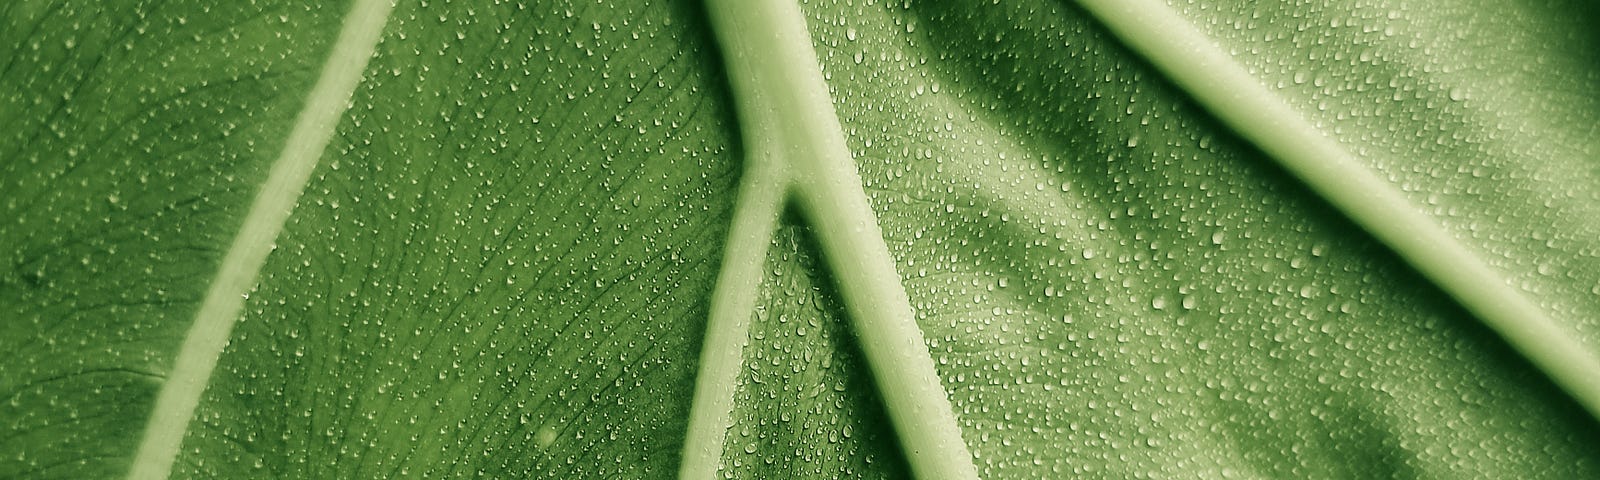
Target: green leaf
{"points": [[1136, 239]]}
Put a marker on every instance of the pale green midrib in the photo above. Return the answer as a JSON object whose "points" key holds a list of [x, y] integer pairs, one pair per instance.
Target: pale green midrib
{"points": [[1197, 64], [788, 120], [236, 274]]}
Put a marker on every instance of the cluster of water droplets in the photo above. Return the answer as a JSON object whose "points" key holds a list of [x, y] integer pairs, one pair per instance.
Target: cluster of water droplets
{"points": [[501, 270], [1478, 111], [806, 406], [1113, 285]]}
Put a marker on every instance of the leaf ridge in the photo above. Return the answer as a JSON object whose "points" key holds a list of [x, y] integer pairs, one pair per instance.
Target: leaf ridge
{"points": [[1194, 62], [237, 273]]}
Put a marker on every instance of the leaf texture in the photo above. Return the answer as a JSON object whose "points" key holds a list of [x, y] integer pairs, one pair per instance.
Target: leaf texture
{"points": [[502, 265]]}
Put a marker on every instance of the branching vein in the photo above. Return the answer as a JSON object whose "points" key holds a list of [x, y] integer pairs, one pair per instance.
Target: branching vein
{"points": [[790, 127]]}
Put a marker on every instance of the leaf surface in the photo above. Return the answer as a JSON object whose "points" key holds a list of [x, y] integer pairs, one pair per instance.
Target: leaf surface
{"points": [[503, 263]]}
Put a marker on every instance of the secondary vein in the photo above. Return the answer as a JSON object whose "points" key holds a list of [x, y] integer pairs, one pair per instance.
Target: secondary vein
{"points": [[732, 302], [1205, 70], [240, 267]]}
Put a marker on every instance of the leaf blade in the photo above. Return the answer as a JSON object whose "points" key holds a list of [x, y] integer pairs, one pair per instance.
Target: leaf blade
{"points": [[1112, 283]]}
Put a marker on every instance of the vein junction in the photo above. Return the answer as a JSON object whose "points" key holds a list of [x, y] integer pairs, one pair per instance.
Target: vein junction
{"points": [[796, 149]]}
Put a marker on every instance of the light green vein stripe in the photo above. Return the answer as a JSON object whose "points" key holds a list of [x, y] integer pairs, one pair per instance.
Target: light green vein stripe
{"points": [[1197, 64], [785, 109], [327, 101], [732, 303]]}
